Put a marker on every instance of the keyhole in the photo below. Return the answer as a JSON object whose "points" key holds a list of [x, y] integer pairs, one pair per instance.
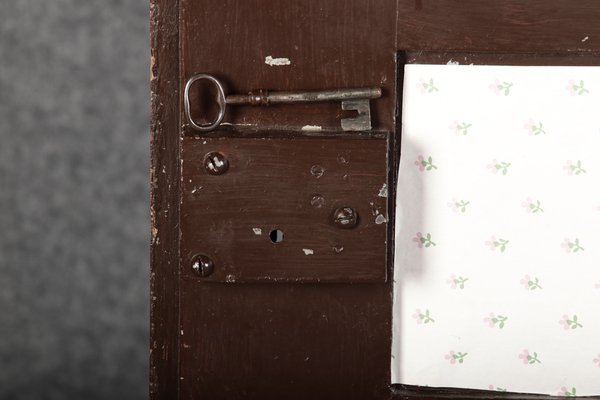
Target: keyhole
{"points": [[276, 236]]}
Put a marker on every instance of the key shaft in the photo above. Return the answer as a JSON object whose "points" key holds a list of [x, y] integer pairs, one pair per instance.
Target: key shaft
{"points": [[264, 97]]}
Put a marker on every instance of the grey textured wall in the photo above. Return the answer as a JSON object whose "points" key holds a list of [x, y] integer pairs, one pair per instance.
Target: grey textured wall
{"points": [[74, 232]]}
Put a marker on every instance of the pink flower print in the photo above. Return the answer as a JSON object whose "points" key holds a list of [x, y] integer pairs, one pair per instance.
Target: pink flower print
{"points": [[564, 392], [532, 206], [533, 128], [490, 243], [494, 320], [576, 88], [417, 239], [450, 357], [422, 318], [499, 166], [457, 206], [427, 86], [572, 246], [454, 357], [499, 389], [528, 358], [460, 128], [456, 282], [420, 163], [423, 240], [494, 244], [425, 164], [501, 87], [570, 323], [597, 360], [530, 283], [574, 168]]}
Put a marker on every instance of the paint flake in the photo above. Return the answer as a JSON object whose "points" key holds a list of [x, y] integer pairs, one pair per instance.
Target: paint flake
{"points": [[312, 128], [277, 62], [308, 252]]}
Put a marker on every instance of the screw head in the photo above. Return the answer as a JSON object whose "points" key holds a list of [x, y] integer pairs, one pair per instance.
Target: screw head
{"points": [[203, 265], [345, 217], [215, 163]]}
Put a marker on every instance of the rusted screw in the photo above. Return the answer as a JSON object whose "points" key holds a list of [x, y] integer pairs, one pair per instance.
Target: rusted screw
{"points": [[345, 217], [215, 163], [203, 265]]}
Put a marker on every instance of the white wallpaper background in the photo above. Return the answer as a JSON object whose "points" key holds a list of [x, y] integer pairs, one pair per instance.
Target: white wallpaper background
{"points": [[497, 282]]}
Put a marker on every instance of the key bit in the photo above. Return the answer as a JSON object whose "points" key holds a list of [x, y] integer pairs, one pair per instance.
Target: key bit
{"points": [[353, 99], [362, 122]]}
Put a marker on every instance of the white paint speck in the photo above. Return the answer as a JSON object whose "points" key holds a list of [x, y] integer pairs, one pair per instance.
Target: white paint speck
{"points": [[452, 62], [380, 219], [584, 39], [257, 231], [308, 252], [229, 278], [182, 332], [276, 62], [383, 192], [311, 128]]}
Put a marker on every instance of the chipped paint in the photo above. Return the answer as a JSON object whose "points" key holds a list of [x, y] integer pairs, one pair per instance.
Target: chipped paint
{"points": [[277, 62], [380, 219], [383, 192], [452, 62], [257, 231], [152, 65], [312, 128], [308, 252], [230, 278], [585, 39]]}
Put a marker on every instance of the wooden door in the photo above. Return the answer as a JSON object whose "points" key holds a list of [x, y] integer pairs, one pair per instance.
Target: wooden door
{"points": [[306, 318]]}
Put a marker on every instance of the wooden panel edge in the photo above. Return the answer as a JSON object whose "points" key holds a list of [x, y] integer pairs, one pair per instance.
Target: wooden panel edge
{"points": [[164, 204]]}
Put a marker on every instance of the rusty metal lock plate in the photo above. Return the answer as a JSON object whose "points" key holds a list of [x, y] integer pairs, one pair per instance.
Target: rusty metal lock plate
{"points": [[285, 208]]}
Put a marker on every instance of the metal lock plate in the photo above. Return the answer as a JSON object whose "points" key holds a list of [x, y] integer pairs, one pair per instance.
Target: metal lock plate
{"points": [[285, 208]]}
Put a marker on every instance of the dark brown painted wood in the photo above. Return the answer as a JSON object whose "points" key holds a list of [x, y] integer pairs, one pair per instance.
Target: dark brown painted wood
{"points": [[280, 340], [310, 341], [164, 174], [293, 183], [506, 26]]}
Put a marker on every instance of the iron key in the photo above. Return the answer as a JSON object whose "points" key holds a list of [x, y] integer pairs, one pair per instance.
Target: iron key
{"points": [[354, 99]]}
